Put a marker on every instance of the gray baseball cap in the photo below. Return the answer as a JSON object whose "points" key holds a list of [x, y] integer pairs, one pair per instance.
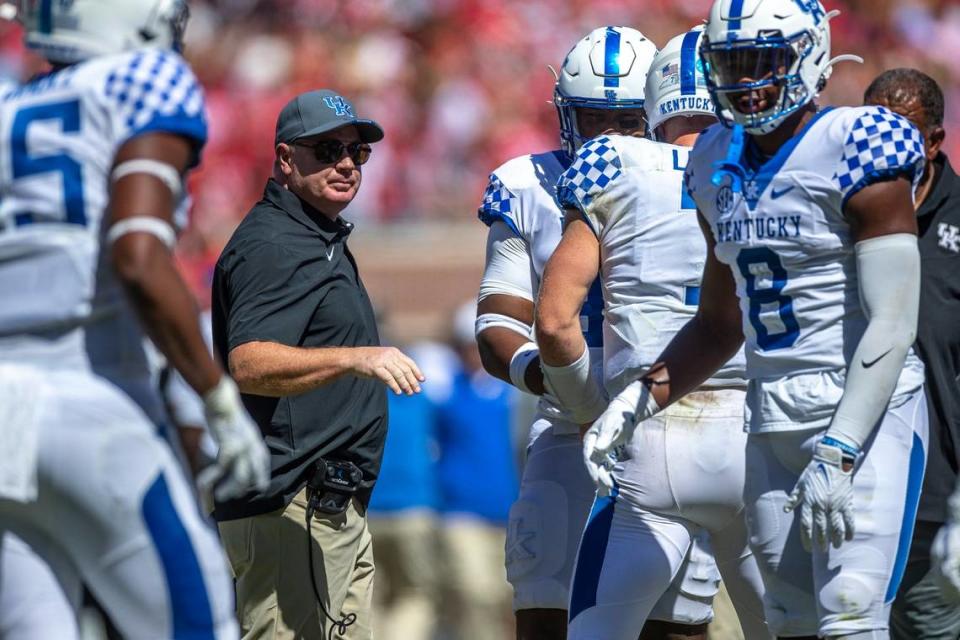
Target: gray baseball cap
{"points": [[319, 111]]}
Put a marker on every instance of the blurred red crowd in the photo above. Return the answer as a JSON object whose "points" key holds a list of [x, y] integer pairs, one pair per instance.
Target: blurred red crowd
{"points": [[458, 85]]}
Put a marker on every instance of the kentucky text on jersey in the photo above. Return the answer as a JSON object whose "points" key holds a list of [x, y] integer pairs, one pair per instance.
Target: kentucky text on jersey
{"points": [[686, 103], [760, 227]]}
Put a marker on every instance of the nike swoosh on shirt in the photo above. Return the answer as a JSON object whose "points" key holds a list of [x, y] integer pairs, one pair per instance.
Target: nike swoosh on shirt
{"points": [[776, 194], [867, 365]]}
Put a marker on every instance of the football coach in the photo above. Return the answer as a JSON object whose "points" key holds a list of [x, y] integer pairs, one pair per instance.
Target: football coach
{"points": [[293, 321], [920, 612]]}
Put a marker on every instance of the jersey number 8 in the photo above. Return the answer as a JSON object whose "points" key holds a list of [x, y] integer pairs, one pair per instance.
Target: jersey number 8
{"points": [[747, 260]]}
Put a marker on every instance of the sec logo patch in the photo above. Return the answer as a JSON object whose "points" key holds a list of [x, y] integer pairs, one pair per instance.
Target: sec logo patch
{"points": [[725, 199]]}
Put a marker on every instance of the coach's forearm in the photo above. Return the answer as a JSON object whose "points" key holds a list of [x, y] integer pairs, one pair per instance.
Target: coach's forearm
{"points": [[275, 370], [698, 351]]}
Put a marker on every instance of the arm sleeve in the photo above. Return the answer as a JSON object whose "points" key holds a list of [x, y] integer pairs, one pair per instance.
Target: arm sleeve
{"points": [[880, 146], [596, 166], [509, 268], [889, 274], [271, 297]]}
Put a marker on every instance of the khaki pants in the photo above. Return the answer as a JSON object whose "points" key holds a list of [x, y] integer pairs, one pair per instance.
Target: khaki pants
{"points": [[474, 583], [725, 625], [268, 554], [405, 592]]}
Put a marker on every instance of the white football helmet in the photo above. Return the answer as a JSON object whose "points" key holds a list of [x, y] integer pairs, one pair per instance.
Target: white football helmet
{"points": [[605, 70], [752, 44], [70, 31], [676, 85]]}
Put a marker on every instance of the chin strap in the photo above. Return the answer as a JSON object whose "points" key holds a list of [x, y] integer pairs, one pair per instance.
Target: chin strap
{"points": [[730, 167]]}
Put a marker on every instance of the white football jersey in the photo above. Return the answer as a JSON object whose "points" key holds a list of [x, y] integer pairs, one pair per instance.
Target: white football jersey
{"points": [[522, 194], [652, 250], [59, 134], [790, 248]]}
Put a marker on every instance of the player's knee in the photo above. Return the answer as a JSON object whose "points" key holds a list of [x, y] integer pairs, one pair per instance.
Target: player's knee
{"points": [[848, 602], [537, 543]]}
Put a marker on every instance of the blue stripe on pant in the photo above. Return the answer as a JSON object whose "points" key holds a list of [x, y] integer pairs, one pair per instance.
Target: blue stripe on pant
{"points": [[190, 604], [593, 548], [914, 484]]}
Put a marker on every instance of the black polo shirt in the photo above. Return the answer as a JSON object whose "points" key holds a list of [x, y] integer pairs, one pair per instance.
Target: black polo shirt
{"points": [[938, 335], [287, 276]]}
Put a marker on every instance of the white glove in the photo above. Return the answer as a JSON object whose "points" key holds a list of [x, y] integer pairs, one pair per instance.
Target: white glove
{"points": [[242, 463], [824, 492], [614, 428], [945, 554]]}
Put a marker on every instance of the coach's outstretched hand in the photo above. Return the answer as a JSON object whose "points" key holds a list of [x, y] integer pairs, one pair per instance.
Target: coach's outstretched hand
{"points": [[945, 553], [389, 365], [243, 462], [824, 493], [614, 428]]}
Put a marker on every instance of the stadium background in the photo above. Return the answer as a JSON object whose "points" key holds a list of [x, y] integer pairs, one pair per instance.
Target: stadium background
{"points": [[459, 86]]}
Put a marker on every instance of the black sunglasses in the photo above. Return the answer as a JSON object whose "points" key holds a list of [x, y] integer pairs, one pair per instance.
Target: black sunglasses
{"points": [[330, 151]]}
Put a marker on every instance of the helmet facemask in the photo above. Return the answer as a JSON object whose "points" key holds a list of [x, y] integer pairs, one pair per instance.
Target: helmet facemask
{"points": [[605, 71], [758, 83], [571, 135]]}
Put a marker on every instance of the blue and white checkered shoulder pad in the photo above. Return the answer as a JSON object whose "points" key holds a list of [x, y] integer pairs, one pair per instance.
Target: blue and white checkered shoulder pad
{"points": [[597, 165], [881, 145], [155, 90], [499, 203]]}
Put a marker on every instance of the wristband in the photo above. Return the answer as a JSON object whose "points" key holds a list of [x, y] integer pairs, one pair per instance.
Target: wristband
{"points": [[519, 364], [848, 451]]}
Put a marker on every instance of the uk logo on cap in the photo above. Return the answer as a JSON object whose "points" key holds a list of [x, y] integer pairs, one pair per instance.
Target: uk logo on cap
{"points": [[339, 105]]}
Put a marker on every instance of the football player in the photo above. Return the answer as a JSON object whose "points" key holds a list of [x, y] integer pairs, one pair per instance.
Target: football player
{"points": [[812, 258], [629, 216], [94, 157], [599, 89]]}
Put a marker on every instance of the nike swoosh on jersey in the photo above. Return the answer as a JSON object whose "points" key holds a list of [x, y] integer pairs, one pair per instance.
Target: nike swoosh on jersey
{"points": [[774, 194], [867, 365]]}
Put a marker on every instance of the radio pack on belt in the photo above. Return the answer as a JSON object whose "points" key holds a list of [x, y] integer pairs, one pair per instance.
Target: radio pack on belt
{"points": [[332, 485]]}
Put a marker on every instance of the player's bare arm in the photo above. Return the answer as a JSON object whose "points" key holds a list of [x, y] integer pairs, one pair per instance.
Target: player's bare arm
{"points": [[147, 175], [565, 358], [566, 280], [276, 370], [504, 325], [498, 345], [705, 343], [144, 262]]}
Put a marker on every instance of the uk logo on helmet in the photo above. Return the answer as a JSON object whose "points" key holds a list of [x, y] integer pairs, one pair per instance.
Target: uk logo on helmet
{"points": [[811, 7], [338, 104]]}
